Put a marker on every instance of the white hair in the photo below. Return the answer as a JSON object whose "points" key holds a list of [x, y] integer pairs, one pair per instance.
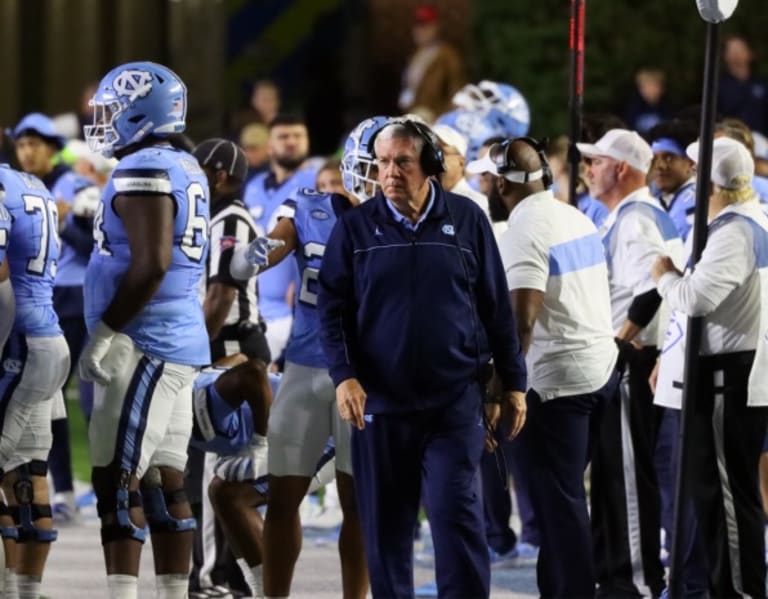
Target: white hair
{"points": [[399, 131]]}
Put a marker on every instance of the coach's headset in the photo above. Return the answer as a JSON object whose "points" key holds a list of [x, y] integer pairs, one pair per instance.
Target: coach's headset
{"points": [[431, 158], [504, 164]]}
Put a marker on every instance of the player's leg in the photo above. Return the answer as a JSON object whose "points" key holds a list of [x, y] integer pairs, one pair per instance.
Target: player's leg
{"points": [[129, 421], [28, 416], [248, 381], [167, 508], [354, 569], [298, 430]]}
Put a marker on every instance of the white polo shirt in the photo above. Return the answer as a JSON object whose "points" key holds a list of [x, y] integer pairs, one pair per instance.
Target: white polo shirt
{"points": [[634, 234], [553, 248], [729, 288]]}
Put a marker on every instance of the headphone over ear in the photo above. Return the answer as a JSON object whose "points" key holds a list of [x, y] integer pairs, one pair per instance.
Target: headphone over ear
{"points": [[431, 157], [541, 149], [498, 153]]}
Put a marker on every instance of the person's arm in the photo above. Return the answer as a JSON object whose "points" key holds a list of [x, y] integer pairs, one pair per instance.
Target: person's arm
{"points": [[498, 319], [727, 261], [526, 304], [7, 303], [219, 298], [264, 252], [148, 222], [77, 231], [642, 244], [336, 310]]}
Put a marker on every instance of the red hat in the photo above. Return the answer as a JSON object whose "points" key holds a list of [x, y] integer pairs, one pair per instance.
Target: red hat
{"points": [[425, 13]]}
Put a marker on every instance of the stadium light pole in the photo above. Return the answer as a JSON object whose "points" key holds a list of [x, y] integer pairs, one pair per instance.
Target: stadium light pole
{"points": [[576, 102], [713, 12]]}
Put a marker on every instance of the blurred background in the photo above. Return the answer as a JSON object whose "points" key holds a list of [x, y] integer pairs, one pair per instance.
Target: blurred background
{"points": [[336, 61]]}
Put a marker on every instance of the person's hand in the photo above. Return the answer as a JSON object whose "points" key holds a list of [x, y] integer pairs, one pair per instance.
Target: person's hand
{"points": [[661, 266], [492, 415], [350, 401], [94, 352], [513, 411], [654, 378], [259, 249]]}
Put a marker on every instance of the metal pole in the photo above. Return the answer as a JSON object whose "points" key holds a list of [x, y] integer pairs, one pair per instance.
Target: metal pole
{"points": [[577, 92], [695, 325]]}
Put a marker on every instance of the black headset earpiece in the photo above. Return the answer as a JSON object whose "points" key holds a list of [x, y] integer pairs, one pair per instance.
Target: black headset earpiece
{"points": [[431, 157]]}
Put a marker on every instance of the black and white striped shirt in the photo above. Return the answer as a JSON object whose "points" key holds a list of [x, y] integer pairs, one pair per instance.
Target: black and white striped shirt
{"points": [[232, 226]]}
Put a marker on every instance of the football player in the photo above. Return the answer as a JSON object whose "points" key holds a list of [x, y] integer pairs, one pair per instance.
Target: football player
{"points": [[148, 336], [35, 363]]}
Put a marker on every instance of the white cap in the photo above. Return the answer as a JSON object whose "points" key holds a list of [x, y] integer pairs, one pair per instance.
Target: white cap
{"points": [[450, 137], [623, 145], [486, 164], [732, 164], [79, 150]]}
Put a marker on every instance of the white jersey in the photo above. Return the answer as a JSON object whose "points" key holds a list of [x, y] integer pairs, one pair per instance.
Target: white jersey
{"points": [[635, 233], [553, 248], [729, 288], [463, 188]]}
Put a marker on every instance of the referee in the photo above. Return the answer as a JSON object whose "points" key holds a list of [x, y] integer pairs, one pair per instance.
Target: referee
{"points": [[729, 289], [234, 326], [624, 492], [558, 280]]}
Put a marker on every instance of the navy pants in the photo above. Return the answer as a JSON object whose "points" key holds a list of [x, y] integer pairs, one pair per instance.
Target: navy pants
{"points": [[556, 438], [392, 457], [510, 458]]}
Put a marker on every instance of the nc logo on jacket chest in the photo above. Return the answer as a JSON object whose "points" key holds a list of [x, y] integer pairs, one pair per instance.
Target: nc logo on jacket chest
{"points": [[448, 230]]}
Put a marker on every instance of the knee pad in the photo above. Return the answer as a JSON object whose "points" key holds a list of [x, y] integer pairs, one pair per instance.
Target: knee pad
{"points": [[7, 532], [156, 502], [27, 511], [114, 499]]}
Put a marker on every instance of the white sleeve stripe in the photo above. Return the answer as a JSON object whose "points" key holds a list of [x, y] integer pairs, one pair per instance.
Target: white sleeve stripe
{"points": [[204, 423], [147, 184], [286, 212]]}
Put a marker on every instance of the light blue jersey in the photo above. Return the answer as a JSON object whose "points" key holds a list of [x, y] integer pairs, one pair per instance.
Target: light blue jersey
{"points": [[5, 230], [171, 326], [681, 206], [313, 215], [72, 265], [33, 252], [228, 429], [263, 196]]}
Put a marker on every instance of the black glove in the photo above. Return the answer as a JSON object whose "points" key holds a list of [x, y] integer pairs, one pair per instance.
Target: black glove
{"points": [[626, 354]]}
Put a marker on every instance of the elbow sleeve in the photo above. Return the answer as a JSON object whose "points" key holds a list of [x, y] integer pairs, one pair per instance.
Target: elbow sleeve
{"points": [[644, 308]]}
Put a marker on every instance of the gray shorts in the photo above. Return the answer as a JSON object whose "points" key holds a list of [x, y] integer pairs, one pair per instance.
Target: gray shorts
{"points": [[302, 417]]}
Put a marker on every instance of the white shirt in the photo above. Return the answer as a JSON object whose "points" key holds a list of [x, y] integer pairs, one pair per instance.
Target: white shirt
{"points": [[463, 188], [634, 234], [728, 288], [553, 248]]}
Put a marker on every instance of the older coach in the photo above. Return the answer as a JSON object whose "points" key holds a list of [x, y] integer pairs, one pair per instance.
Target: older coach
{"points": [[413, 305]]}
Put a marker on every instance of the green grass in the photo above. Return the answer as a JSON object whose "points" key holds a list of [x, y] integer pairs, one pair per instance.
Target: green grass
{"points": [[78, 434]]}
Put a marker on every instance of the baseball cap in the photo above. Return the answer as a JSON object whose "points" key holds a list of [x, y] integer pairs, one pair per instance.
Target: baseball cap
{"points": [[222, 154], [36, 123], [623, 145], [450, 137], [732, 164], [425, 13]]}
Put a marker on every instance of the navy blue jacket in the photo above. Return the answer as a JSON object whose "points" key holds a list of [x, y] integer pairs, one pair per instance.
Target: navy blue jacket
{"points": [[405, 314]]}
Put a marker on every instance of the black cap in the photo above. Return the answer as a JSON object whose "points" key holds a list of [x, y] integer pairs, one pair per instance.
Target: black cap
{"points": [[222, 154]]}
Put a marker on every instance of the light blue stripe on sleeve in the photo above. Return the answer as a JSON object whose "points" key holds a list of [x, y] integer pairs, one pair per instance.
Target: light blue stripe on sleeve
{"points": [[576, 254]]}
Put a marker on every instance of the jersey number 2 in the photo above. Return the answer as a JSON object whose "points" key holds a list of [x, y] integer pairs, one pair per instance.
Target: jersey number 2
{"points": [[310, 274]]}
